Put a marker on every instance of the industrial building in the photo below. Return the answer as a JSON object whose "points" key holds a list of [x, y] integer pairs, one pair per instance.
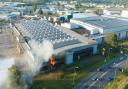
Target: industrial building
{"points": [[66, 42], [99, 26], [112, 11]]}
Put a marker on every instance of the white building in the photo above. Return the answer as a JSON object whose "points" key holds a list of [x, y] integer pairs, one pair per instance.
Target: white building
{"points": [[112, 11], [70, 25], [83, 15], [124, 13], [100, 26], [2, 16], [72, 6]]}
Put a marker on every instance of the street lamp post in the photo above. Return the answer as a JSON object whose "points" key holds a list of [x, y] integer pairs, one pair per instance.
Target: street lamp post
{"points": [[73, 81], [78, 57], [105, 60], [99, 84], [109, 52], [115, 73], [103, 53], [126, 63], [114, 77]]}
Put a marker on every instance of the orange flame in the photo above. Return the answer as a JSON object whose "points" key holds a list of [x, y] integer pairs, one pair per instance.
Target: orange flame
{"points": [[52, 60]]}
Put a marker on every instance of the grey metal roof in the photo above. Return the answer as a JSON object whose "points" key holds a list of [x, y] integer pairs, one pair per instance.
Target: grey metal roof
{"points": [[104, 22], [40, 30]]}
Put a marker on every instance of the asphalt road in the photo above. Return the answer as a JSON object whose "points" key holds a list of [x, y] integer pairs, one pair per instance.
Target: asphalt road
{"points": [[103, 75]]}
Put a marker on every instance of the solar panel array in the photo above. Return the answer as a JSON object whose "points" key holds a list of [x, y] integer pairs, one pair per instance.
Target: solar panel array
{"points": [[43, 30]]}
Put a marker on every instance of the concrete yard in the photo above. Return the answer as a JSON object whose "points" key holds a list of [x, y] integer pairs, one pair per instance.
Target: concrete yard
{"points": [[7, 44]]}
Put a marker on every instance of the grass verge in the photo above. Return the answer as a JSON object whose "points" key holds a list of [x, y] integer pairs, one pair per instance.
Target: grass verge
{"points": [[63, 78]]}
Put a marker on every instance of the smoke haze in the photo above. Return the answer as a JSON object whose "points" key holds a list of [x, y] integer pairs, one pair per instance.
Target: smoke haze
{"points": [[30, 63]]}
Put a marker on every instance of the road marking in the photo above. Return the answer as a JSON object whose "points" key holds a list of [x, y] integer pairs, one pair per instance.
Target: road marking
{"points": [[119, 64], [105, 73], [99, 78], [89, 79]]}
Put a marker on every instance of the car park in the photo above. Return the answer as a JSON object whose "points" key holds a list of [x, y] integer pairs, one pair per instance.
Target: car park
{"points": [[110, 78]]}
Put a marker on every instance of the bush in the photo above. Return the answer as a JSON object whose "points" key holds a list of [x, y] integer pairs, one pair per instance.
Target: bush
{"points": [[126, 87], [126, 71]]}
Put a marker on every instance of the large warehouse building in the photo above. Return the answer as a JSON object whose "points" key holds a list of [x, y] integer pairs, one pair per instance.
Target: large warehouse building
{"points": [[65, 41], [99, 26]]}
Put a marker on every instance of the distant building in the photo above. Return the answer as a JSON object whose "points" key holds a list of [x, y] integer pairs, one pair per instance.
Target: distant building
{"points": [[112, 11], [124, 13], [99, 26], [83, 15], [70, 25], [3, 16]]}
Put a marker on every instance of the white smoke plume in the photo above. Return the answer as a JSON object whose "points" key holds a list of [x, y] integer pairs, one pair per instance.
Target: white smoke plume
{"points": [[42, 52], [31, 62], [4, 78]]}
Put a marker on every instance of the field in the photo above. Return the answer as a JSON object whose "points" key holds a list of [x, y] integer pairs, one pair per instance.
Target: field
{"points": [[62, 78], [126, 87], [120, 82]]}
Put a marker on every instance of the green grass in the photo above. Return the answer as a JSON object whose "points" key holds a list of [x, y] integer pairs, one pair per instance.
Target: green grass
{"points": [[126, 87], [52, 84], [86, 65], [125, 46], [62, 77], [126, 74], [119, 82]]}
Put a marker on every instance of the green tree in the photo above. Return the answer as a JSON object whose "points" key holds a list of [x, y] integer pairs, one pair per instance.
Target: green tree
{"points": [[34, 7], [111, 39], [15, 78], [125, 46], [13, 0], [34, 1], [40, 12], [21, 1], [126, 71], [99, 11], [41, 1], [78, 6]]}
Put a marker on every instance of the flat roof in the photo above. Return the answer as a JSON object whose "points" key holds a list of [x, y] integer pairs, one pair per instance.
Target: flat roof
{"points": [[103, 22], [81, 30], [84, 40], [7, 44], [61, 38]]}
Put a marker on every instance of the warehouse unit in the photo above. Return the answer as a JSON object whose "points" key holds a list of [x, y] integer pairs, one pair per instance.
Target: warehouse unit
{"points": [[64, 41], [99, 26]]}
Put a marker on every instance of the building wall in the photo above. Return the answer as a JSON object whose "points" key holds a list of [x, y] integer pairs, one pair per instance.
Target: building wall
{"points": [[99, 40], [69, 58], [120, 31], [91, 28], [116, 29], [69, 54], [70, 25], [123, 34]]}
